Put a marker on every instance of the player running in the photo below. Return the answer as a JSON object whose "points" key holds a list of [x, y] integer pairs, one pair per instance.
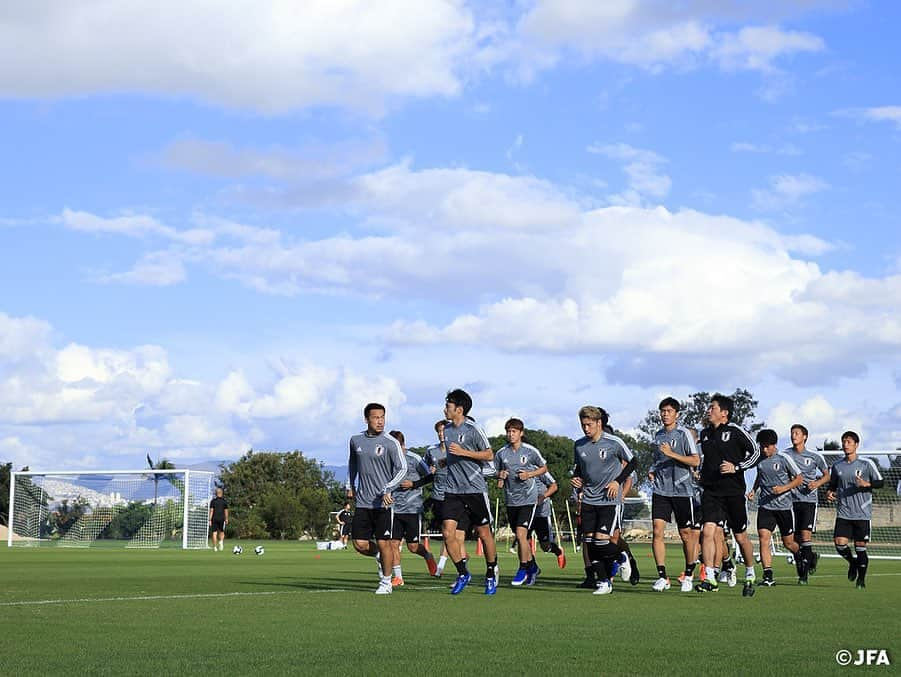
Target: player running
{"points": [[804, 498]]}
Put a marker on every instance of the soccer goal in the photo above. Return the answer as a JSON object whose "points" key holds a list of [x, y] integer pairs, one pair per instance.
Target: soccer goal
{"points": [[134, 508]]}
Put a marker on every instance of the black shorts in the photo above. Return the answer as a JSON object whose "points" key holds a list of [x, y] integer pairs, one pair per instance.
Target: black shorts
{"points": [[541, 527], [805, 516], [217, 525], [600, 519], [344, 529], [725, 511], [520, 516], [853, 530], [770, 519], [467, 510], [682, 507], [407, 527], [371, 524]]}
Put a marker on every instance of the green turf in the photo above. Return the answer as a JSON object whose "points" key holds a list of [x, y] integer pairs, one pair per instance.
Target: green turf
{"points": [[308, 612]]}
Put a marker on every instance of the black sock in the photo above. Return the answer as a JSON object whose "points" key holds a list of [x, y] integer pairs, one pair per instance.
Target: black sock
{"points": [[661, 572], [523, 565], [690, 569], [461, 567], [555, 549], [863, 560], [845, 552], [589, 571], [807, 554], [767, 573], [489, 571], [728, 565]]}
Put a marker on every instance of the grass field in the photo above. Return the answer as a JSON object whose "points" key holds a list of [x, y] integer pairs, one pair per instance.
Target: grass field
{"points": [[298, 611]]}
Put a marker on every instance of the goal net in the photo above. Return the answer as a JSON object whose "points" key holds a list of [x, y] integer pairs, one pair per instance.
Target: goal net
{"points": [[136, 509]]}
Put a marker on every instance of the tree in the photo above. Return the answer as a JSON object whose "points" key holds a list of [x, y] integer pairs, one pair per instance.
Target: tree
{"points": [[280, 495], [694, 413]]}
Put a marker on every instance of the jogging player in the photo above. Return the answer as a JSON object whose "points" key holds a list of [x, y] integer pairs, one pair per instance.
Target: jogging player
{"points": [[851, 483], [466, 494], [218, 519], [777, 476], [728, 452], [804, 498], [375, 467], [518, 465]]}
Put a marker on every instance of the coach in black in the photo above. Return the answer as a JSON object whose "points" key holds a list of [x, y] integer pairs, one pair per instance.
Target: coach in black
{"points": [[218, 519], [727, 452]]}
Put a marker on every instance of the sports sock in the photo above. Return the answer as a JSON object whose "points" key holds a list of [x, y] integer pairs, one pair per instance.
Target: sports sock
{"points": [[396, 570], [863, 560], [728, 564], [749, 572], [661, 572], [489, 570], [385, 580], [555, 549], [711, 574], [767, 573], [690, 569], [461, 567], [589, 572], [845, 552], [442, 561]]}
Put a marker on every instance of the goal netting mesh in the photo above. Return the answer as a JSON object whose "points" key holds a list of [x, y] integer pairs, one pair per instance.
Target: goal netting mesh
{"points": [[137, 509]]}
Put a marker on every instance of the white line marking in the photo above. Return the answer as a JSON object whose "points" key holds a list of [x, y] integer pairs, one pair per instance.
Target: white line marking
{"points": [[207, 595]]}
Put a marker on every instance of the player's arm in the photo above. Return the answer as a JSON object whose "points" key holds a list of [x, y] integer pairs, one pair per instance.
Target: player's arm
{"points": [[874, 479], [833, 485], [749, 449], [813, 485], [797, 479], [226, 514], [399, 463], [351, 480], [425, 477], [210, 519]]}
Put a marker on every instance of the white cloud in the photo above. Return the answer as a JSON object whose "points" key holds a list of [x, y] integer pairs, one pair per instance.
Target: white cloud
{"points": [[746, 147], [155, 269], [823, 420], [873, 114], [641, 168], [56, 403], [757, 47], [261, 55], [787, 190]]}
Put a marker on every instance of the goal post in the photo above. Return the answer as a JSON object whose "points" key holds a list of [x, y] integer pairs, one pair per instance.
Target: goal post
{"points": [[132, 508]]}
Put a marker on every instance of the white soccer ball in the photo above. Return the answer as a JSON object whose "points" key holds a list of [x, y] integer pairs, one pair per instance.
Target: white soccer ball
{"points": [[789, 559], [259, 550], [237, 550]]}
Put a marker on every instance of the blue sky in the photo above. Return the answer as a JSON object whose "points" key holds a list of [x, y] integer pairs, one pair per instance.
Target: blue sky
{"points": [[230, 229]]}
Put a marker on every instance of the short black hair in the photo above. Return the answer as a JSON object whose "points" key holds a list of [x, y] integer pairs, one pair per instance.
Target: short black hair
{"points": [[399, 436], [798, 426], [669, 402], [514, 423], [459, 398], [853, 435], [372, 406], [725, 402], [766, 437]]}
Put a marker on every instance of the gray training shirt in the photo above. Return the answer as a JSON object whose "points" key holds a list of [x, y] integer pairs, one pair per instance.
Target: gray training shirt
{"points": [[375, 467], [672, 478], [436, 458], [813, 467], [544, 508], [516, 491], [409, 501], [598, 464], [854, 502], [772, 472], [465, 475]]}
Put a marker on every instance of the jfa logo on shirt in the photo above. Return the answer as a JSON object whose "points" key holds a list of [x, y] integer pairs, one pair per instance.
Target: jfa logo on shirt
{"points": [[379, 450], [776, 467], [603, 453], [807, 461], [726, 435], [522, 460]]}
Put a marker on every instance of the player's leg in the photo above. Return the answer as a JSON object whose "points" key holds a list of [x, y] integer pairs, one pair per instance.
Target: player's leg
{"points": [[861, 539], [222, 539], [766, 555], [842, 534]]}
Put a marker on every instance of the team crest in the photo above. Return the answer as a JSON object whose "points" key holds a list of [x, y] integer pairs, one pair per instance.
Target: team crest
{"points": [[807, 461], [776, 467], [379, 450], [603, 453], [522, 460], [726, 435]]}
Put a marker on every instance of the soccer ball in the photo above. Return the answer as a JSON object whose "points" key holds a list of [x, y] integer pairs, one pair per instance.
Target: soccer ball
{"points": [[259, 550], [237, 550], [789, 559]]}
